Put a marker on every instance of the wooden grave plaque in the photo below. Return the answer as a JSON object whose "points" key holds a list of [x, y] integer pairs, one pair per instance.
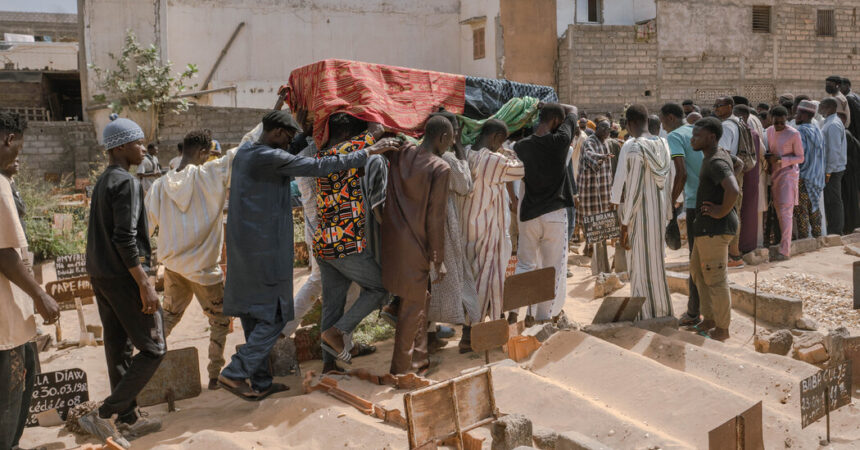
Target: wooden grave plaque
{"points": [[618, 309], [601, 227], [742, 432], [824, 392], [489, 335], [449, 409], [61, 390], [529, 288], [66, 291], [177, 378], [71, 266]]}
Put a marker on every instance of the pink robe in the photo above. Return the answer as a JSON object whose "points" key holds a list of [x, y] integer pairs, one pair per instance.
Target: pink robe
{"points": [[784, 179]]}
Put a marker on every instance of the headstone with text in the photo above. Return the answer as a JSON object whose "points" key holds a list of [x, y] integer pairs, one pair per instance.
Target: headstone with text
{"points": [[71, 266], [61, 390], [66, 291], [823, 392], [601, 227]]}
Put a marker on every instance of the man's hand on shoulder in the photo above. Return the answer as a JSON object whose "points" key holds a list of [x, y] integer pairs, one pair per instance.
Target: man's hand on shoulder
{"points": [[385, 145]]}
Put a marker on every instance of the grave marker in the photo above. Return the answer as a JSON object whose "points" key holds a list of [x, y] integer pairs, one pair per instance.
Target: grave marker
{"points": [[856, 284], [823, 392], [177, 378], [529, 288], [742, 432], [601, 227], [66, 291], [61, 390], [489, 335], [618, 309], [71, 266]]}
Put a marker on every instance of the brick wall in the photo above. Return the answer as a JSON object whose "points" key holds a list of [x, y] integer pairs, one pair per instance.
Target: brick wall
{"points": [[602, 68], [63, 148], [228, 125]]}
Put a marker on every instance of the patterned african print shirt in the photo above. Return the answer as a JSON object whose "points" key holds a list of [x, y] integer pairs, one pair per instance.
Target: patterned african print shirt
{"points": [[340, 231]]}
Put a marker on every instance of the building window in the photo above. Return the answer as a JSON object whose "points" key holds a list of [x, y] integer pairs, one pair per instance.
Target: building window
{"points": [[761, 19], [595, 11], [478, 47], [826, 25]]}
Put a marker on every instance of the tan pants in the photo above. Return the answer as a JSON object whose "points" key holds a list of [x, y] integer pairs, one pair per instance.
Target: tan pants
{"points": [[708, 268], [178, 291]]}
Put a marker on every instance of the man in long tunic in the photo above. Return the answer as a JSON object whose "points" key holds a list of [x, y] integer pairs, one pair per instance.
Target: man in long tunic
{"points": [[259, 288], [594, 182], [643, 177], [807, 213], [484, 215], [785, 153], [413, 239]]}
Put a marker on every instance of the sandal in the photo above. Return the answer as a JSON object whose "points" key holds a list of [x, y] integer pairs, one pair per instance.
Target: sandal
{"points": [[242, 391], [273, 389]]}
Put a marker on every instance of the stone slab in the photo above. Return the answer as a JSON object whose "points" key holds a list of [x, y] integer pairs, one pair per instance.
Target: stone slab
{"points": [[776, 309], [678, 282]]}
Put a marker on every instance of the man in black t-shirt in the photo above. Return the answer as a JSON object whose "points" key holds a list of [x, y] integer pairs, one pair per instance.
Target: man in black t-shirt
{"points": [[549, 190], [715, 226]]}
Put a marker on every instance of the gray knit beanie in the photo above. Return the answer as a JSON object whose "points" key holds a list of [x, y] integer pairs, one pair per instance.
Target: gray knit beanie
{"points": [[120, 131]]}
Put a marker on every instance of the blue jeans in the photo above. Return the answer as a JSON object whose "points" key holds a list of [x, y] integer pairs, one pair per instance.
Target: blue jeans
{"points": [[252, 359], [571, 221], [337, 275]]}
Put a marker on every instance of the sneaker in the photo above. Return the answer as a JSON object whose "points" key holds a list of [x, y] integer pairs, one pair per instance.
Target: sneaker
{"points": [[101, 428], [735, 263], [141, 427]]}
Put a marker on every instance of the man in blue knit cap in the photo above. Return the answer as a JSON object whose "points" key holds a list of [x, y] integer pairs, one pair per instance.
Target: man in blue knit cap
{"points": [[118, 259]]}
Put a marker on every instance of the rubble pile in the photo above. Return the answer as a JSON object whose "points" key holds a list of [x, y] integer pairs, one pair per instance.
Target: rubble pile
{"points": [[829, 303]]}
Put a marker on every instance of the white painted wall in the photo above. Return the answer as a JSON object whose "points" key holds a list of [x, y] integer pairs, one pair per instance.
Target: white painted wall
{"points": [[485, 67], [565, 10], [618, 12], [280, 36], [41, 56]]}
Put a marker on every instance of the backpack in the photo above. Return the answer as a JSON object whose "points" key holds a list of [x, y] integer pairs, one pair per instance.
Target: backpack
{"points": [[746, 148]]}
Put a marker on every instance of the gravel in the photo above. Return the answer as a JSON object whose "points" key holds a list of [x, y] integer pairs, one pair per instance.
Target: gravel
{"points": [[829, 303]]}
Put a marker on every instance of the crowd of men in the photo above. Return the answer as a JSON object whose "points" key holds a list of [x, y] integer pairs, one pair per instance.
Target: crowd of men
{"points": [[424, 231]]}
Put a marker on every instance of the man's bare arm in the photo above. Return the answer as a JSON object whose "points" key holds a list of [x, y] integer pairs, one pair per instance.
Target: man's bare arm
{"points": [[13, 268]]}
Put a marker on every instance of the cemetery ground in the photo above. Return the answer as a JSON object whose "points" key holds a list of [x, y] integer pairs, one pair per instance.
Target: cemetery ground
{"points": [[651, 385]]}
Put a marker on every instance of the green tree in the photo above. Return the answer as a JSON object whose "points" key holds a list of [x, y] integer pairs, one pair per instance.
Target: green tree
{"points": [[141, 81]]}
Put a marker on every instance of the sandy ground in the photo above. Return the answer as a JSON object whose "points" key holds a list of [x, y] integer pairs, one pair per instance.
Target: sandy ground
{"points": [[632, 394]]}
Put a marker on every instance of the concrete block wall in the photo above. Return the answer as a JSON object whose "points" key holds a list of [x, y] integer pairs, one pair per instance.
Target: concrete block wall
{"points": [[603, 68], [228, 125], [64, 148]]}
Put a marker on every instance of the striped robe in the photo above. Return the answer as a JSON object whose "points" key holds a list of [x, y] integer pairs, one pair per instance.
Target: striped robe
{"points": [[646, 210], [485, 221]]}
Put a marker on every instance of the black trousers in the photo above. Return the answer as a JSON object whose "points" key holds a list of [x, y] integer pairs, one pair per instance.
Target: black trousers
{"points": [[833, 206], [17, 372], [126, 327], [693, 299]]}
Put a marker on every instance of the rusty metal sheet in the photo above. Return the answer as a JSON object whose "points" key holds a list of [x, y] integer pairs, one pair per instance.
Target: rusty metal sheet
{"points": [[529, 288], [179, 372], [618, 309], [489, 335], [742, 432]]}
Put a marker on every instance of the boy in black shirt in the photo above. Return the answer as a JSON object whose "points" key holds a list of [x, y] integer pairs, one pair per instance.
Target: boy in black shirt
{"points": [[118, 258], [715, 226]]}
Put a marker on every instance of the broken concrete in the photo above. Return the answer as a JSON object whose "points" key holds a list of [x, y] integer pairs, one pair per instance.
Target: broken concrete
{"points": [[757, 256], [605, 284], [678, 282], [806, 323], [831, 240], [813, 355], [541, 332], [834, 343], [778, 342], [545, 439], [851, 250], [852, 238], [511, 431]]}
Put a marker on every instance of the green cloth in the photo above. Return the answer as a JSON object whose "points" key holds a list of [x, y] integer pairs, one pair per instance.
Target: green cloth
{"points": [[517, 113]]}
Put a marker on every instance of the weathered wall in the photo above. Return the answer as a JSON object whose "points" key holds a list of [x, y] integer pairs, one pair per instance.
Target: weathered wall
{"points": [[64, 148], [489, 9], [530, 46], [228, 126], [41, 56], [602, 67], [59, 27], [697, 57]]}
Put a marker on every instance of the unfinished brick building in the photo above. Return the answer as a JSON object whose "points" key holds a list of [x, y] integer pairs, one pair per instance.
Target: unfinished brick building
{"points": [[701, 49]]}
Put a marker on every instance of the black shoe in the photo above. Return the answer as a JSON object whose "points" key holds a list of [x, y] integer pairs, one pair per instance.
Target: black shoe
{"points": [[512, 317], [529, 321], [213, 384], [687, 320]]}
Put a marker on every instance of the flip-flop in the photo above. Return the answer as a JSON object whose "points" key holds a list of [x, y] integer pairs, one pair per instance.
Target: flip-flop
{"points": [[326, 348], [242, 391], [273, 389]]}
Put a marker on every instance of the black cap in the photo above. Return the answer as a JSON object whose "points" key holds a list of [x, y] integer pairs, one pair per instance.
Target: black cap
{"points": [[280, 119]]}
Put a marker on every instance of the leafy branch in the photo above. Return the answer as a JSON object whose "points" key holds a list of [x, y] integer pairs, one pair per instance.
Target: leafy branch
{"points": [[141, 81]]}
